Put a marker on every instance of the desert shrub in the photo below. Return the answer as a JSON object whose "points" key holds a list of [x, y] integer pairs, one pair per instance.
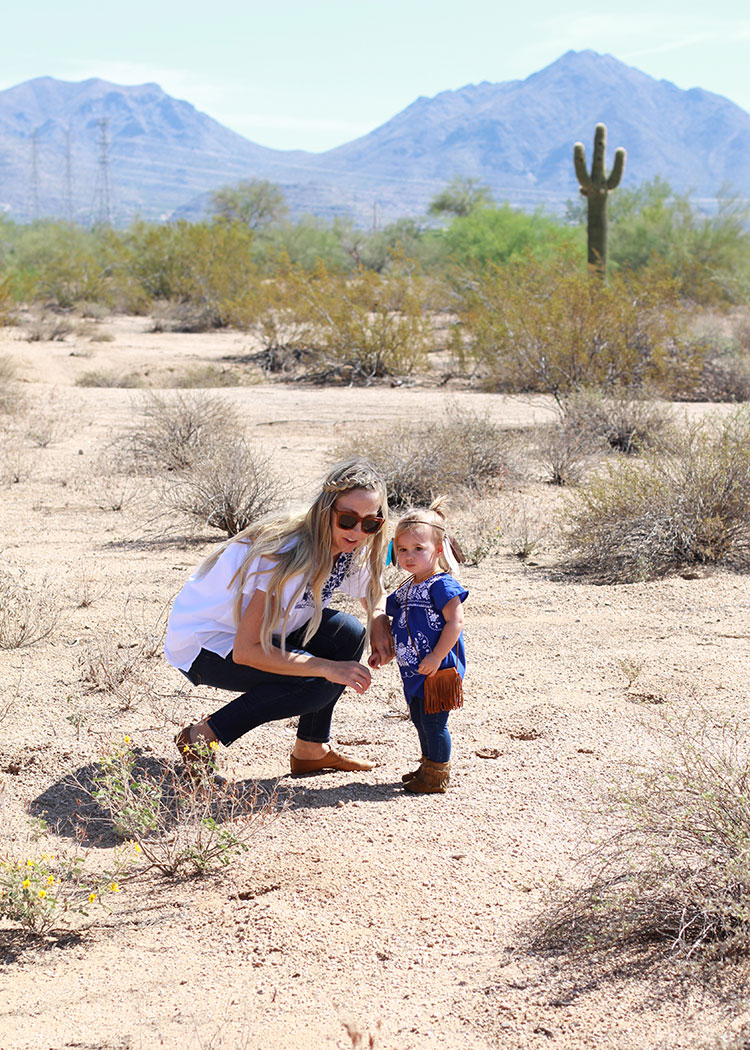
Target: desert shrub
{"points": [[41, 892], [178, 822], [707, 255], [690, 505], [496, 235], [203, 377], [363, 327], [625, 420], [548, 328], [62, 263], [419, 462], [674, 867], [201, 270], [27, 614], [566, 451], [11, 398], [45, 327], [174, 431], [118, 665], [226, 488], [109, 379]]}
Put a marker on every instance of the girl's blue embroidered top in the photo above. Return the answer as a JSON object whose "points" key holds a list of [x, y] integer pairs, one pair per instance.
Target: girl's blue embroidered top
{"points": [[424, 602]]}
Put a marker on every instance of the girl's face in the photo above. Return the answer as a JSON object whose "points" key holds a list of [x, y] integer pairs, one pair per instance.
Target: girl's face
{"points": [[359, 503], [418, 552]]}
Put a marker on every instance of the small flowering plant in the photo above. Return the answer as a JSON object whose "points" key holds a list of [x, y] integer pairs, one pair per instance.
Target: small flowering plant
{"points": [[41, 893], [175, 822]]}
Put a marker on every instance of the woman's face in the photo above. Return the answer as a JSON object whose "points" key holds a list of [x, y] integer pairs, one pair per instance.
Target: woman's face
{"points": [[359, 502]]}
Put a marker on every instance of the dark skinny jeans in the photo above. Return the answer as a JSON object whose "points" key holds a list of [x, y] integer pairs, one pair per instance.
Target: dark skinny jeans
{"points": [[268, 697]]}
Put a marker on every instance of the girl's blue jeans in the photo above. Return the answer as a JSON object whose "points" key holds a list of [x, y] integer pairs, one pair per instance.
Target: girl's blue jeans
{"points": [[432, 730], [267, 697]]}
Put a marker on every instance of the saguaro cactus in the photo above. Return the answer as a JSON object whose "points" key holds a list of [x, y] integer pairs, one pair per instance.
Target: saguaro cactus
{"points": [[595, 187]]}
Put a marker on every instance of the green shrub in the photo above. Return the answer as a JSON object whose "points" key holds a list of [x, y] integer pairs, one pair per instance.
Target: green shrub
{"points": [[178, 822], [689, 506], [674, 867], [549, 329]]}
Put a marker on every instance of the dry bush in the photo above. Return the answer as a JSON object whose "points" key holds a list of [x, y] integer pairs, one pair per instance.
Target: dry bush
{"points": [[227, 488], [674, 867], [203, 377], [176, 430], [625, 419], [687, 506], [567, 451], [47, 327], [27, 614], [466, 451], [17, 461], [110, 379], [118, 665]]}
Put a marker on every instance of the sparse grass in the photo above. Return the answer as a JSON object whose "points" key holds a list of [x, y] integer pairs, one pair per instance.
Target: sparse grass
{"points": [[205, 377], [118, 665], [465, 452], [228, 488], [179, 823], [108, 378], [47, 327], [27, 614], [674, 867], [688, 506], [625, 420], [11, 398]]}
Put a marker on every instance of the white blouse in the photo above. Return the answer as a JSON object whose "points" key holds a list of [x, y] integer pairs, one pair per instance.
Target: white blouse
{"points": [[202, 616]]}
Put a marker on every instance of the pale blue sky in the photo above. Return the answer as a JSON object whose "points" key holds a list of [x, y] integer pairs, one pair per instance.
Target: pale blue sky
{"points": [[312, 75]]}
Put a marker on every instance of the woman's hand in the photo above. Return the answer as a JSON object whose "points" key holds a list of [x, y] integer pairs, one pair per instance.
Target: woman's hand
{"points": [[381, 641], [350, 673]]}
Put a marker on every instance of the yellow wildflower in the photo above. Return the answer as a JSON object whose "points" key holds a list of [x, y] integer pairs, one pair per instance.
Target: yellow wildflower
{"points": [[50, 880], [29, 863], [42, 894], [214, 745], [127, 739], [114, 888], [25, 884], [92, 898]]}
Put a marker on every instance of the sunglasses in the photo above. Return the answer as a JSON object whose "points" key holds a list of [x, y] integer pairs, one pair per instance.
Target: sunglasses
{"points": [[348, 520]]}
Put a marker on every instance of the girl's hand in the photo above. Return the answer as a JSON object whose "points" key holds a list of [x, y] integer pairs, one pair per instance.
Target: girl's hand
{"points": [[350, 673], [429, 665], [381, 641]]}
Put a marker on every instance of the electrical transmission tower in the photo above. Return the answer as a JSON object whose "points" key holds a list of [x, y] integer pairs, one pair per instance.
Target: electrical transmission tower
{"points": [[102, 209], [34, 181], [68, 177]]}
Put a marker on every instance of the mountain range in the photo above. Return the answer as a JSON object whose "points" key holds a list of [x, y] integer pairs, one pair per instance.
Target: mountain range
{"points": [[95, 150]]}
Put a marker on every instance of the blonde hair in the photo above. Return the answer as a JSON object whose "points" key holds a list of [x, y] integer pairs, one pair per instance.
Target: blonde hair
{"points": [[306, 535], [433, 518]]}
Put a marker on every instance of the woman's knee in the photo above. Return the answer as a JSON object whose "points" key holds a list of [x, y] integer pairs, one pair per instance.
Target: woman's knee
{"points": [[339, 637]]}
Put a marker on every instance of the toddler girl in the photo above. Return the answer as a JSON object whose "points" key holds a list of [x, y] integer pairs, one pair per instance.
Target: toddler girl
{"points": [[427, 624]]}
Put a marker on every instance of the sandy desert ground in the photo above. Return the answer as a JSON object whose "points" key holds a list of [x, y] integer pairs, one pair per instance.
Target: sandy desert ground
{"points": [[360, 916]]}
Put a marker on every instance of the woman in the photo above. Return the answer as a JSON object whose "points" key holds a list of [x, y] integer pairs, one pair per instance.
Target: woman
{"points": [[254, 618]]}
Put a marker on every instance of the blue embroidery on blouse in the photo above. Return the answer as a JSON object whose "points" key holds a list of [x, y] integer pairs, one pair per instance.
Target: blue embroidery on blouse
{"points": [[337, 577]]}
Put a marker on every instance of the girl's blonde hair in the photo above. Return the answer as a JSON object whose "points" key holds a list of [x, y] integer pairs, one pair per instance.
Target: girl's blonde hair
{"points": [[300, 544], [433, 518]]}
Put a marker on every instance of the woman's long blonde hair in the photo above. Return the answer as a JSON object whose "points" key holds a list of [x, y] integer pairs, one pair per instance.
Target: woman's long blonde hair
{"points": [[307, 537]]}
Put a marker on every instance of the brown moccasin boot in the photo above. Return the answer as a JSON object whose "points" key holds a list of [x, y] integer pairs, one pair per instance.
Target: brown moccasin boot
{"points": [[431, 779], [414, 773]]}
